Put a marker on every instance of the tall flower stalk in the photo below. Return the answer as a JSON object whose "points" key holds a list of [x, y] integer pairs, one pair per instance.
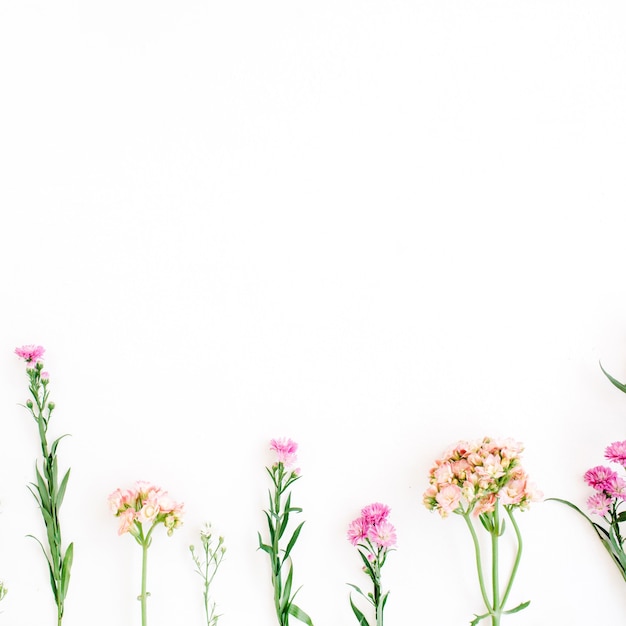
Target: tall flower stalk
{"points": [[48, 491], [140, 510], [277, 546], [479, 481], [374, 536], [607, 504], [207, 568]]}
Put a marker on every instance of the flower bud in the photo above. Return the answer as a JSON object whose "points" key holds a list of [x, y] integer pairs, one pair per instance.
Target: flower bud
{"points": [[29, 404], [51, 405]]}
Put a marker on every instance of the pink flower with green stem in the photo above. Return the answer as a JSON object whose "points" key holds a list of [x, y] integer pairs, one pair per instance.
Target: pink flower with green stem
{"points": [[140, 510], [477, 480], [277, 547], [374, 537], [607, 503], [48, 490]]}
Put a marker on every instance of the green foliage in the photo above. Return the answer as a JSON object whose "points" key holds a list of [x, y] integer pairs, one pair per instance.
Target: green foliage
{"points": [[207, 569], [278, 517], [49, 492]]}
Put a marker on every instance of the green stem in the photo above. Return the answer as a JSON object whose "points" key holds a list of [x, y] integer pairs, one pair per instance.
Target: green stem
{"points": [[144, 571], [479, 567], [518, 555], [495, 573]]}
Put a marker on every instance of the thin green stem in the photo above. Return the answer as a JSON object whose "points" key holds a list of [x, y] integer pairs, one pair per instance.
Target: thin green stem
{"points": [[495, 572], [518, 555], [479, 567], [144, 573]]}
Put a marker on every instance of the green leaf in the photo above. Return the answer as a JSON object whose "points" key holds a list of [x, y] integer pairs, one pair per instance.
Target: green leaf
{"points": [[68, 559], [477, 619], [621, 517], [287, 591], [359, 615], [293, 540], [62, 488], [264, 546], [620, 386], [518, 608], [299, 614], [55, 443], [42, 488]]}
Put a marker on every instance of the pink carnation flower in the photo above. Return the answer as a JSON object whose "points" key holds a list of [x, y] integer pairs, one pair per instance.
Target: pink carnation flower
{"points": [[30, 353], [383, 534], [285, 451], [601, 478], [616, 452]]}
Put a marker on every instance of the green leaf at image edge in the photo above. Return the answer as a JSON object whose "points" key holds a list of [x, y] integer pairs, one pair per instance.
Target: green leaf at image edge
{"points": [[620, 386]]}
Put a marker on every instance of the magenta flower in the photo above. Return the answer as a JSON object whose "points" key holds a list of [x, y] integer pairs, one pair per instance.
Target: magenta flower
{"points": [[616, 452], [285, 451], [601, 478], [375, 513], [599, 503], [30, 353]]}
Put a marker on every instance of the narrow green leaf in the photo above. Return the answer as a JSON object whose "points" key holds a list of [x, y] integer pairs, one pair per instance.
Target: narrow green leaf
{"points": [[42, 488], [293, 539], [518, 608], [299, 614], [55, 443], [62, 488], [359, 615], [66, 568], [620, 386]]}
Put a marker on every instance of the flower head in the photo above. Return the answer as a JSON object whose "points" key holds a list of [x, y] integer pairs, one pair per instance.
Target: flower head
{"points": [[616, 452], [600, 477], [30, 353], [375, 513], [383, 534], [285, 451], [599, 503]]}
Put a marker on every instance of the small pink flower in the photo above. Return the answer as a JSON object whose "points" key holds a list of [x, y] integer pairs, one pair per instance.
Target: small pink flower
{"points": [[616, 452], [375, 513], [513, 492], [618, 488], [383, 534], [599, 503], [30, 353], [485, 505], [127, 518], [285, 450], [448, 499], [357, 530], [601, 478]]}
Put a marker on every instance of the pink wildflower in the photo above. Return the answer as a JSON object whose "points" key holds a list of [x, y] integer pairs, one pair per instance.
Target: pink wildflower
{"points": [[601, 478], [599, 503], [616, 452], [30, 353], [375, 513], [285, 451], [383, 534], [127, 518], [357, 530]]}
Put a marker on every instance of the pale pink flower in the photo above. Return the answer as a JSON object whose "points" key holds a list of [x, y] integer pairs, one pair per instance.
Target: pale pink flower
{"points": [[618, 488], [616, 452], [357, 530], [599, 503], [601, 478], [444, 473], [448, 499], [149, 511], [45, 376], [485, 505], [118, 500], [491, 467], [285, 451], [383, 534], [375, 513], [513, 492], [30, 353], [127, 518]]}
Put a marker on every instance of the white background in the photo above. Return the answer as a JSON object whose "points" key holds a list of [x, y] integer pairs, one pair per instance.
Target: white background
{"points": [[374, 227]]}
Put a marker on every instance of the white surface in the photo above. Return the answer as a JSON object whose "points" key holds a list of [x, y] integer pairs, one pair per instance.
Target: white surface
{"points": [[374, 227]]}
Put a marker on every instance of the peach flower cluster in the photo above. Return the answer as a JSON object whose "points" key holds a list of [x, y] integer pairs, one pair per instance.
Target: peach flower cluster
{"points": [[472, 476], [145, 504]]}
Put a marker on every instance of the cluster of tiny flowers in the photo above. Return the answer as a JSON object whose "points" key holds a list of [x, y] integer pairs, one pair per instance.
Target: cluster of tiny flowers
{"points": [[610, 488], [374, 526], [145, 503], [285, 450], [473, 476]]}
